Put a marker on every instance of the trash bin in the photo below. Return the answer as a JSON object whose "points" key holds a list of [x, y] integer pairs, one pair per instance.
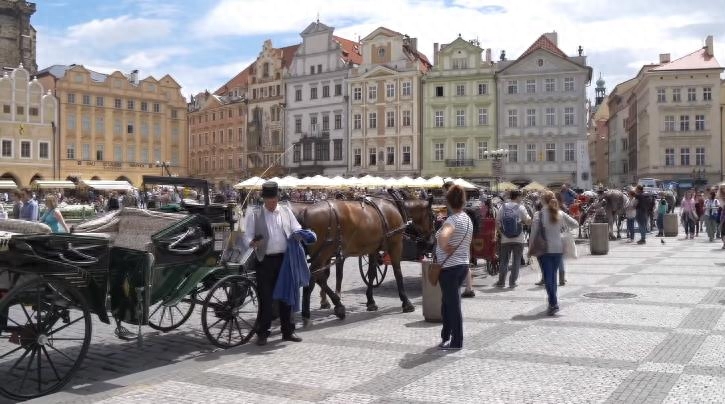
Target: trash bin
{"points": [[431, 295], [670, 225], [599, 238]]}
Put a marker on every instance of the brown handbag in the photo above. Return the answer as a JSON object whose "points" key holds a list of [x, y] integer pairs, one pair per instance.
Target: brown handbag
{"points": [[434, 271]]}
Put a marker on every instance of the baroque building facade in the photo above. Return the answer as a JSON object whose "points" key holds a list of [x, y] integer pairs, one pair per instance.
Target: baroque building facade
{"points": [[459, 112], [115, 126], [618, 137], [542, 115], [28, 122], [316, 103], [385, 107]]}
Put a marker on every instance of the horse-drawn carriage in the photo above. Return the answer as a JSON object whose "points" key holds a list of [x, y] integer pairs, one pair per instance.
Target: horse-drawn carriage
{"points": [[136, 266]]}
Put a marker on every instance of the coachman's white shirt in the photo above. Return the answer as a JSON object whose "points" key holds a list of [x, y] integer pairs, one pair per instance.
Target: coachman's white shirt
{"points": [[279, 221]]}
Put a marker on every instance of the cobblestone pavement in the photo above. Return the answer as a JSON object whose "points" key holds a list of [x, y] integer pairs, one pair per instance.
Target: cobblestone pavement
{"points": [[665, 345]]}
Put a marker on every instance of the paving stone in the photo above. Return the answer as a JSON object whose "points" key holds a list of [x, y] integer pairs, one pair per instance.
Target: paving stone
{"points": [[625, 314], [697, 389], [643, 387], [670, 280], [711, 352], [677, 348], [702, 318]]}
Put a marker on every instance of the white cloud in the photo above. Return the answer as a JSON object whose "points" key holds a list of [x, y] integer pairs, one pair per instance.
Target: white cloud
{"points": [[153, 58], [124, 29]]}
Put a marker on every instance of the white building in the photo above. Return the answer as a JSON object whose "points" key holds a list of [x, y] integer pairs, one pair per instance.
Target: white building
{"points": [[317, 122], [542, 115]]}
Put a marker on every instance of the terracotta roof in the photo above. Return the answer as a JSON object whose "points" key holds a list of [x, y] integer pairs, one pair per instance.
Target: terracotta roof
{"points": [[240, 80], [350, 50], [698, 59], [288, 53], [544, 43]]}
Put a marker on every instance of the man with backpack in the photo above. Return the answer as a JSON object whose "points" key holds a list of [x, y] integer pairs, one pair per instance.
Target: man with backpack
{"points": [[510, 222]]}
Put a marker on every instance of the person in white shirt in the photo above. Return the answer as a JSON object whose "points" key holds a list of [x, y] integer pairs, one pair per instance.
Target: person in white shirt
{"points": [[510, 221], [267, 229]]}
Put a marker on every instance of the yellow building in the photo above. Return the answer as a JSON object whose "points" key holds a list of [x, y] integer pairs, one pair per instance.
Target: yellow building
{"points": [[27, 125], [117, 126]]}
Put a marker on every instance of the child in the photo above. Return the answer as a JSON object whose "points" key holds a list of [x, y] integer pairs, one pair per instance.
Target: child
{"points": [[661, 210]]}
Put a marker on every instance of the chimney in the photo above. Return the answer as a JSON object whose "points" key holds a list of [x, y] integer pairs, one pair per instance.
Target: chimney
{"points": [[664, 58], [435, 53], [709, 49], [133, 77], [553, 37], [488, 54], [414, 44]]}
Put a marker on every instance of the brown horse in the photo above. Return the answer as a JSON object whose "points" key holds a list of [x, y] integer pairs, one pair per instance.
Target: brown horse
{"points": [[356, 228]]}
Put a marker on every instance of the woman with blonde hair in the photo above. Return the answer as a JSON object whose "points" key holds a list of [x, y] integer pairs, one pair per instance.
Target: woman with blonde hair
{"points": [[551, 220], [52, 216]]}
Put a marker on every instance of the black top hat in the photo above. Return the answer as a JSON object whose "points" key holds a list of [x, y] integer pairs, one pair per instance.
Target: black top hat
{"points": [[270, 190]]}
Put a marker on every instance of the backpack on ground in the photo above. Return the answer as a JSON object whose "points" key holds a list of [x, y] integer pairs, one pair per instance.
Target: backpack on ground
{"points": [[511, 221]]}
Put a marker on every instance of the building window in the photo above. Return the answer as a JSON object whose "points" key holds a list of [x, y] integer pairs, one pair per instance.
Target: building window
{"points": [[513, 118], [338, 90], [691, 94], [699, 122], [6, 108], [373, 93], [390, 119], [460, 63], [322, 151], [438, 151], [676, 95], [550, 115], [44, 150], [25, 152], [439, 91], [530, 153], [513, 153], [372, 120], [326, 123], [568, 84], [407, 88], [569, 155], [439, 120], [669, 123], [685, 156], [144, 106], [99, 152], [390, 90], [117, 103], [482, 148], [406, 118], [406, 155], [86, 123], [117, 152], [707, 94], [71, 121], [460, 151], [482, 88], [357, 121], [460, 118], [549, 85], [661, 95], [298, 125], [70, 151], [99, 101], [513, 87], [531, 117], [700, 156], [307, 151], [86, 99], [684, 123], [71, 98], [157, 107], [460, 90], [482, 116], [100, 125], [313, 93], [338, 121], [325, 91], [357, 93], [86, 151], [569, 116], [33, 111], [372, 156], [20, 110], [129, 128], [530, 86], [356, 157], [390, 157], [298, 94], [551, 152], [337, 149], [130, 104]]}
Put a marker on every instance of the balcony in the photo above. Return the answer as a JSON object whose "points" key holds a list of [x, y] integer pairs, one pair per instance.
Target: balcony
{"points": [[459, 163]]}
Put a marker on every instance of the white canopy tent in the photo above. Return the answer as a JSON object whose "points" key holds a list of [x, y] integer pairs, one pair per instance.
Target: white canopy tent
{"points": [[461, 182], [54, 184], [104, 185], [250, 183], [8, 184]]}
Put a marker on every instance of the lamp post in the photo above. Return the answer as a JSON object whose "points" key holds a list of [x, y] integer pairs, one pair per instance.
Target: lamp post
{"points": [[698, 174], [496, 156], [164, 165]]}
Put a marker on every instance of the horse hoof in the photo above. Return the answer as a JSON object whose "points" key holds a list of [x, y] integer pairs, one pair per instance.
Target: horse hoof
{"points": [[306, 323], [325, 305], [372, 307], [408, 307], [340, 312]]}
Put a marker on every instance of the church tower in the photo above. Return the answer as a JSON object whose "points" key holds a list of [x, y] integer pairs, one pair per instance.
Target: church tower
{"points": [[599, 91], [17, 36]]}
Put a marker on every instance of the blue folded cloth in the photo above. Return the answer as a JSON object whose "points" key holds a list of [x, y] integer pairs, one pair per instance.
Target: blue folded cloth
{"points": [[294, 272]]}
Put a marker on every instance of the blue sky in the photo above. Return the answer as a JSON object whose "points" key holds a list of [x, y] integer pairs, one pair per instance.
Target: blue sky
{"points": [[203, 43]]}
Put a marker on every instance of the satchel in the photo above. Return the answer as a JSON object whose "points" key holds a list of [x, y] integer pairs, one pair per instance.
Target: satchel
{"points": [[537, 247], [434, 271]]}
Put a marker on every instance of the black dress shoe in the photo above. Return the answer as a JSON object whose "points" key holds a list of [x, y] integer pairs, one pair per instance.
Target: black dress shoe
{"points": [[261, 341], [292, 338]]}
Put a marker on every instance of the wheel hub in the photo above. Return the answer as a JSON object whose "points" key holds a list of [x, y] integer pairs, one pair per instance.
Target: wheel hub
{"points": [[43, 340]]}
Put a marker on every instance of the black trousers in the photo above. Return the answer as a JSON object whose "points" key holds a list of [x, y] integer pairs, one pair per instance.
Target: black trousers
{"points": [[267, 272]]}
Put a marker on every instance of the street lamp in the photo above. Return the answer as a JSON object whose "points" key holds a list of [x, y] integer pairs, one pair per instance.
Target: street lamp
{"points": [[697, 177], [164, 165], [496, 156]]}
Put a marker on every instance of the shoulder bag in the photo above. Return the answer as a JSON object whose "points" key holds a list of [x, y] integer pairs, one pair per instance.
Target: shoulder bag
{"points": [[434, 272], [537, 247]]}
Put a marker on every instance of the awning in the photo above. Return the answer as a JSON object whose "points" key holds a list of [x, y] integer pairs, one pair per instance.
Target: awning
{"points": [[104, 185], [54, 184], [250, 183], [8, 184]]}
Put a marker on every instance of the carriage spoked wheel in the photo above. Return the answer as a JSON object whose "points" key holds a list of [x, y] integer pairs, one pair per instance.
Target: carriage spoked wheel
{"points": [[380, 270], [230, 310], [165, 317], [45, 331]]}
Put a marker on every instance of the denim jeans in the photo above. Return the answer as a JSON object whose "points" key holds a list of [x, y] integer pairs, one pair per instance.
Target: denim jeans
{"points": [[711, 227], [451, 279], [630, 228], [642, 224], [515, 251], [549, 266], [660, 223], [689, 224]]}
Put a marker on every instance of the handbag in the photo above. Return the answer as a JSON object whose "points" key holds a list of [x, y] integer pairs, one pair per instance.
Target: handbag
{"points": [[434, 271], [570, 250], [537, 246]]}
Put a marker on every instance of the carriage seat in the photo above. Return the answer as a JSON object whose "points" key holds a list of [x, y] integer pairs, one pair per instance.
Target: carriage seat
{"points": [[130, 227]]}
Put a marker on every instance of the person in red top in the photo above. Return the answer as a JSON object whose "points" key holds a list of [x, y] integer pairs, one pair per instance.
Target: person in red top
{"points": [[700, 211]]}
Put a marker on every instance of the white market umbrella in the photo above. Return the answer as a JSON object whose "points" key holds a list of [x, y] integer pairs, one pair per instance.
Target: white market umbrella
{"points": [[250, 183], [54, 184], [461, 183], [434, 182], [104, 185]]}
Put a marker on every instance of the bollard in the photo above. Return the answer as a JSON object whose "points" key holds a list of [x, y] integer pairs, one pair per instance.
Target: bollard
{"points": [[432, 298], [599, 238], [670, 225]]}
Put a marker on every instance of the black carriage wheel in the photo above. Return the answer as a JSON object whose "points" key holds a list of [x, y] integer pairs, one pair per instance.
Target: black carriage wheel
{"points": [[379, 274], [230, 310], [167, 318], [45, 331]]}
